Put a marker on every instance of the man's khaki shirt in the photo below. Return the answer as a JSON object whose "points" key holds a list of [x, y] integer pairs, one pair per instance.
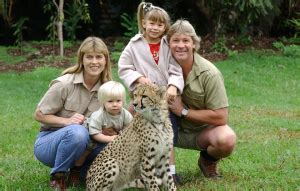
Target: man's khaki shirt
{"points": [[204, 89], [68, 95]]}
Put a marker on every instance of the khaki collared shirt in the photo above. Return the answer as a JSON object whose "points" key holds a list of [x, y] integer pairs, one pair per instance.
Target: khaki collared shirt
{"points": [[68, 95], [204, 89]]}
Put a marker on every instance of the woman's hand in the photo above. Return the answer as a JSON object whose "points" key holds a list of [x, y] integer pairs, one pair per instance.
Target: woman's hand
{"points": [[77, 118]]}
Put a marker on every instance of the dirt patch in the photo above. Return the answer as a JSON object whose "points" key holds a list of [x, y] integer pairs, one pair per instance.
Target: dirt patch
{"points": [[32, 64], [34, 60]]}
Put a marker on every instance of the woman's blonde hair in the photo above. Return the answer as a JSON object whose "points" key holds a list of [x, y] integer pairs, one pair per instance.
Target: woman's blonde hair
{"points": [[182, 26], [92, 44], [147, 11], [111, 90]]}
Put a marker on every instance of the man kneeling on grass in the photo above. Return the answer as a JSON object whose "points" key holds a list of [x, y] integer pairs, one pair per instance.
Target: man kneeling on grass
{"points": [[202, 109]]}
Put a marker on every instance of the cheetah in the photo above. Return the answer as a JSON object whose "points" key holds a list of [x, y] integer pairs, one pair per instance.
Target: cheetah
{"points": [[141, 152]]}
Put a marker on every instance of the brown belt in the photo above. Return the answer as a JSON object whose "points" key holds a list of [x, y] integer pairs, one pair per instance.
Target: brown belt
{"points": [[49, 128]]}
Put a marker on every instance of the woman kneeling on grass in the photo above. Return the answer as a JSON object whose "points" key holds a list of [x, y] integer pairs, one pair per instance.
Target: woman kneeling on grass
{"points": [[71, 98]]}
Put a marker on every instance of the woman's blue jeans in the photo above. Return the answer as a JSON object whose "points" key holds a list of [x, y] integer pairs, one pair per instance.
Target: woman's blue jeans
{"points": [[61, 148]]}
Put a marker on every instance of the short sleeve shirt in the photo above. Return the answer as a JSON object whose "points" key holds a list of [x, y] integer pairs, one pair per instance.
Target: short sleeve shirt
{"points": [[204, 89], [101, 119], [68, 95]]}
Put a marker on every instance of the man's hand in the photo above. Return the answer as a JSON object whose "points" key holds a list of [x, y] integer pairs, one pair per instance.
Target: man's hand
{"points": [[176, 105]]}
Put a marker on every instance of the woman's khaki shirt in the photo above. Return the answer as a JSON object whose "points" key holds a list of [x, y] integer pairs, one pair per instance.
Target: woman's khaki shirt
{"points": [[68, 95]]}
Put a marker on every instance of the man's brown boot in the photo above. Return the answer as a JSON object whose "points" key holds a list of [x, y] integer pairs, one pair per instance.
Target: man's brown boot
{"points": [[208, 165], [58, 181]]}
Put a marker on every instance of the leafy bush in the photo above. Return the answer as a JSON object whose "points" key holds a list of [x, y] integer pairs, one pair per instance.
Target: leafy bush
{"points": [[130, 23], [291, 51], [241, 16], [19, 29], [117, 51], [118, 46], [51, 27], [75, 12], [244, 39], [278, 45], [295, 23], [115, 57], [220, 45]]}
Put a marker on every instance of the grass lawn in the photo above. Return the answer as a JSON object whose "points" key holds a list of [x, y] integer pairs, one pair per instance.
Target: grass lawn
{"points": [[264, 95]]}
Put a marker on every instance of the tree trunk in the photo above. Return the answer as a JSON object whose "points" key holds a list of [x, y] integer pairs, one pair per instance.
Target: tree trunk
{"points": [[60, 27], [60, 20]]}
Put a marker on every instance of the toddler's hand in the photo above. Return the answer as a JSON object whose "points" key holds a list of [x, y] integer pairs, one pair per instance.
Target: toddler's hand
{"points": [[113, 137]]}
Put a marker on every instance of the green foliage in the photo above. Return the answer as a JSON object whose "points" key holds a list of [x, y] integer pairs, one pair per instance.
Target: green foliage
{"points": [[255, 12], [295, 23], [291, 50], [278, 45], [19, 27], [68, 44], [118, 45], [130, 24], [254, 8], [287, 50], [294, 40], [115, 57], [244, 39], [220, 45], [241, 16], [232, 53], [117, 51], [51, 27], [75, 12]]}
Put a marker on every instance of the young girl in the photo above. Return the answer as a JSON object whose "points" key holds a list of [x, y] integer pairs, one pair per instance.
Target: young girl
{"points": [[147, 58]]}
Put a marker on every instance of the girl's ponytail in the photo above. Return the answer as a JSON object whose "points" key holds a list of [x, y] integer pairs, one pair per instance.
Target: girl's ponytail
{"points": [[143, 8], [140, 16]]}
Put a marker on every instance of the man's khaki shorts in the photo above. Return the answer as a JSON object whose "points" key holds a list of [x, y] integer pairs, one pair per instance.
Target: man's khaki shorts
{"points": [[187, 138]]}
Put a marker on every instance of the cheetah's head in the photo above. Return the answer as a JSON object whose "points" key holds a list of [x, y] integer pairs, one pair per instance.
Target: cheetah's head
{"points": [[148, 100]]}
